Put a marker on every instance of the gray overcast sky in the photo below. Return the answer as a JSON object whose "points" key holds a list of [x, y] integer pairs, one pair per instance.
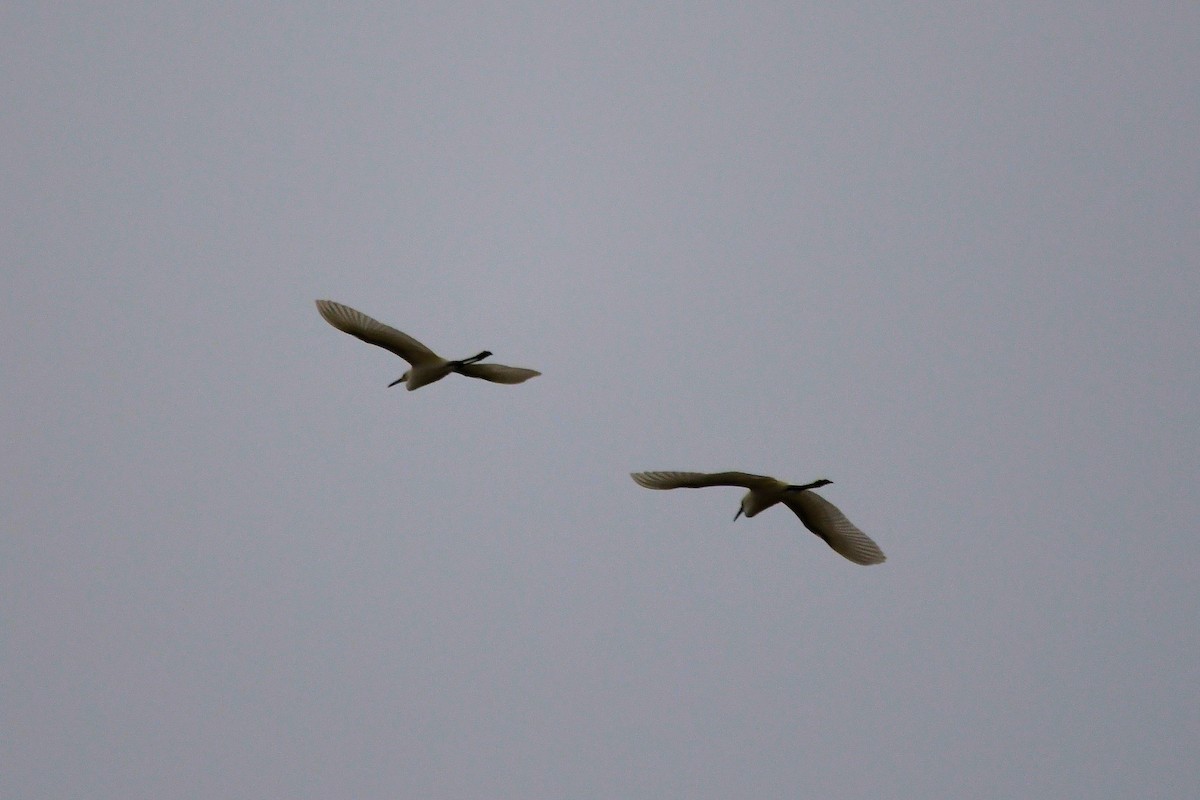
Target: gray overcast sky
{"points": [[944, 254]]}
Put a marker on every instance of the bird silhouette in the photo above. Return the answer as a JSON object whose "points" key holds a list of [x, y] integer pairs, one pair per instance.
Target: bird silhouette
{"points": [[426, 365], [816, 513]]}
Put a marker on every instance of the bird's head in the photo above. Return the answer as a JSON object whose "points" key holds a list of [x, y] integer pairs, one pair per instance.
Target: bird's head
{"points": [[401, 379], [817, 484], [480, 356], [747, 507]]}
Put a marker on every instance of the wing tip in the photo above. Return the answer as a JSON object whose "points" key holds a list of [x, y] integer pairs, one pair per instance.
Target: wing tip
{"points": [[866, 553], [652, 479], [331, 310]]}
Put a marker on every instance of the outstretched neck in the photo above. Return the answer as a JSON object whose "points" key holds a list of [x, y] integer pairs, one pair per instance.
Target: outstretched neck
{"points": [[813, 485], [482, 354]]}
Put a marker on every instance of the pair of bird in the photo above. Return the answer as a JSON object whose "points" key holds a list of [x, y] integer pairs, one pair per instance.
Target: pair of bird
{"points": [[815, 512]]}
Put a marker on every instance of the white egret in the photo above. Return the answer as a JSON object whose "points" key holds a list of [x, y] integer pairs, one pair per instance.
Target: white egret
{"points": [[427, 366], [818, 514]]}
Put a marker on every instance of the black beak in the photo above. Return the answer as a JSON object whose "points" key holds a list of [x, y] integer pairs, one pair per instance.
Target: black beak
{"points": [[393, 383], [735, 516]]}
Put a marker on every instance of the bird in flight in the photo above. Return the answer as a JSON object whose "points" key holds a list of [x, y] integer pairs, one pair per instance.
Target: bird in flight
{"points": [[426, 365], [816, 513]]}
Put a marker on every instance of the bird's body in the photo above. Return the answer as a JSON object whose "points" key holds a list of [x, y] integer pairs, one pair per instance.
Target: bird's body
{"points": [[815, 512], [426, 366]]}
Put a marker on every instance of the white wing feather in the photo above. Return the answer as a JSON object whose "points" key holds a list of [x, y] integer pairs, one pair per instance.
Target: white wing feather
{"points": [[498, 373], [827, 521], [699, 480], [372, 331]]}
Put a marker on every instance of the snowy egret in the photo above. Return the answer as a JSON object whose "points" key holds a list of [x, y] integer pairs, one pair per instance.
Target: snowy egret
{"points": [[818, 514], [427, 366]]}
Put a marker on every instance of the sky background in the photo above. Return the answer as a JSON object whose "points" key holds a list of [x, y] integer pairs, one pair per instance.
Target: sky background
{"points": [[944, 254]]}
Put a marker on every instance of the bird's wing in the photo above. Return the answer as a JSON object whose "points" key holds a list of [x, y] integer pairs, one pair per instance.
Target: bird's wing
{"points": [[698, 480], [372, 331], [825, 520], [498, 373]]}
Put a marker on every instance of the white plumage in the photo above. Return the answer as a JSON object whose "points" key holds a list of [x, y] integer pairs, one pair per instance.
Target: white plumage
{"points": [[815, 512], [426, 365]]}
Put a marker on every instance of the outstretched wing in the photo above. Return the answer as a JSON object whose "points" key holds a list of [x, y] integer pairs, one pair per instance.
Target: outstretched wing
{"points": [[498, 373], [825, 520], [698, 480], [372, 331]]}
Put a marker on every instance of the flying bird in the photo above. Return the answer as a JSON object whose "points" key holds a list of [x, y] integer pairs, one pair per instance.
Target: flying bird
{"points": [[426, 365], [818, 514]]}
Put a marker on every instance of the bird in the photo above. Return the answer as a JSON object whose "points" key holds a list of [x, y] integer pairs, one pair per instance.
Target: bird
{"points": [[818, 514], [426, 365]]}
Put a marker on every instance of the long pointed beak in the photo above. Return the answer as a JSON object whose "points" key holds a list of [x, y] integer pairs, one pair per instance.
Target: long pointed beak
{"points": [[735, 516], [393, 383]]}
